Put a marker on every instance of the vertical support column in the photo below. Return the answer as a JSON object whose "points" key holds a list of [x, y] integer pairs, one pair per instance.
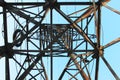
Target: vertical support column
{"points": [[98, 30], [27, 41], [7, 72], [51, 55]]}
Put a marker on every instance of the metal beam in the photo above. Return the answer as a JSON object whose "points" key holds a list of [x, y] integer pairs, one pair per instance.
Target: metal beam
{"points": [[32, 29], [42, 3], [25, 73], [7, 71], [76, 27], [17, 11], [98, 31], [83, 74], [111, 43], [110, 68], [62, 74]]}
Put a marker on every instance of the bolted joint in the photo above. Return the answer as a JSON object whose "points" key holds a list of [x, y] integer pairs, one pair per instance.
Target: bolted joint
{"points": [[6, 51], [10, 51], [51, 4], [98, 53], [70, 52], [101, 51]]}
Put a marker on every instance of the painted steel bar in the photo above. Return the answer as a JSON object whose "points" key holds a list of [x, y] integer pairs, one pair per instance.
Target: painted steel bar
{"points": [[77, 56], [77, 11], [110, 68], [39, 56], [78, 66], [112, 9], [23, 9], [83, 68], [85, 14], [62, 51], [91, 17], [17, 20], [83, 74], [98, 31], [42, 3], [97, 64], [32, 29], [36, 76], [71, 75], [25, 16], [111, 43], [34, 45], [74, 75], [22, 67], [78, 45], [7, 53], [25, 73], [40, 72], [87, 70], [76, 27], [45, 73], [62, 74], [51, 53], [90, 11], [17, 11]]}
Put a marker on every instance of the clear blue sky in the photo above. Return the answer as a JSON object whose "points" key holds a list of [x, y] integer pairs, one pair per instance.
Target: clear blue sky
{"points": [[110, 31]]}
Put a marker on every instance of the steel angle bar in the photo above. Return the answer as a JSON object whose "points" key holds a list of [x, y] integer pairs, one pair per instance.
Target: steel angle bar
{"points": [[35, 76], [111, 43], [83, 74], [112, 9], [7, 69], [93, 8], [110, 68], [34, 44], [42, 3], [71, 75], [88, 22], [31, 13], [77, 11], [78, 45], [27, 71], [45, 50], [78, 66], [26, 3], [45, 73], [83, 68], [17, 11], [17, 20], [76, 27], [65, 69], [74, 75], [87, 70], [85, 14], [20, 68], [29, 7], [32, 29]]}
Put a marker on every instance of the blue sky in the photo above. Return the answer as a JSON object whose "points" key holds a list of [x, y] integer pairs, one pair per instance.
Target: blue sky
{"points": [[110, 25], [110, 31]]}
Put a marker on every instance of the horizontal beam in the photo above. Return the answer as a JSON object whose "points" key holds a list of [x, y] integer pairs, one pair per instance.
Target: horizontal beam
{"points": [[52, 51], [42, 3]]}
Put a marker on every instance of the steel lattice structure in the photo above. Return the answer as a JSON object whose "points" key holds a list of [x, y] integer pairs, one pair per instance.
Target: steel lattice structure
{"points": [[51, 29]]}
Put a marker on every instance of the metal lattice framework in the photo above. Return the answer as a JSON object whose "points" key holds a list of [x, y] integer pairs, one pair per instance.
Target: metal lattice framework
{"points": [[51, 29]]}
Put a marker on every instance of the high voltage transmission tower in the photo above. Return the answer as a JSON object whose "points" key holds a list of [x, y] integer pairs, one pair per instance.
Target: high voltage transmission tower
{"points": [[53, 39]]}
